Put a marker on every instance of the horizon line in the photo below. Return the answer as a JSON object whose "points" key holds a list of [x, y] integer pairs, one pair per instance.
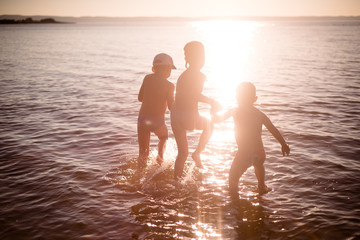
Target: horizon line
{"points": [[185, 17]]}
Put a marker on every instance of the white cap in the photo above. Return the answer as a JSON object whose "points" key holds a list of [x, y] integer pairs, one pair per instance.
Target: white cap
{"points": [[163, 59]]}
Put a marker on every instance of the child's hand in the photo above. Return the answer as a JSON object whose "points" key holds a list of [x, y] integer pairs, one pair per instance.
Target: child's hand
{"points": [[285, 149]]}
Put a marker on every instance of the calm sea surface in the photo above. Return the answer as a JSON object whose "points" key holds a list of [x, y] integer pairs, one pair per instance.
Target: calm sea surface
{"points": [[68, 143]]}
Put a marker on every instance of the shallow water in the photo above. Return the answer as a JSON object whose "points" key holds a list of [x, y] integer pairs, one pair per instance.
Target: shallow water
{"points": [[68, 143]]}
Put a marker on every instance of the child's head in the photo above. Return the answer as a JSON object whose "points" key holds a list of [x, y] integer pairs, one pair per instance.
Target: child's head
{"points": [[163, 64], [194, 54], [246, 93]]}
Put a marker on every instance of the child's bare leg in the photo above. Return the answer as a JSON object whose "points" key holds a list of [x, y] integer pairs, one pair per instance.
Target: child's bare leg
{"points": [[207, 127], [162, 134], [161, 148], [260, 175], [181, 159], [238, 167], [144, 142], [183, 151]]}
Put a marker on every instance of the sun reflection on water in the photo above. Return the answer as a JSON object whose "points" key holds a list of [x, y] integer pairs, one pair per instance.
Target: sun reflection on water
{"points": [[229, 47], [200, 208]]}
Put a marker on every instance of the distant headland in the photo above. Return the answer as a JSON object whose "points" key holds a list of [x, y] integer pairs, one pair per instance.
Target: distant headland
{"points": [[29, 20]]}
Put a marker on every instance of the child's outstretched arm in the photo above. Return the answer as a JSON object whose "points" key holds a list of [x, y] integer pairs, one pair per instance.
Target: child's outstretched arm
{"points": [[210, 101], [215, 105], [285, 149], [220, 118]]}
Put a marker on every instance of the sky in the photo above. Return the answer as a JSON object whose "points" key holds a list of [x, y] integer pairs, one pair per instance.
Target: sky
{"points": [[181, 8]]}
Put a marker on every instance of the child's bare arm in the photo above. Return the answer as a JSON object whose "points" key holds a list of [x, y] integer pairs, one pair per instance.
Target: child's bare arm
{"points": [[170, 96], [285, 149], [205, 99], [215, 105], [220, 118]]}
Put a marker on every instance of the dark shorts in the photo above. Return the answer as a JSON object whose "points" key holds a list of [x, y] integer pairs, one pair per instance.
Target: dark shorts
{"points": [[150, 123]]}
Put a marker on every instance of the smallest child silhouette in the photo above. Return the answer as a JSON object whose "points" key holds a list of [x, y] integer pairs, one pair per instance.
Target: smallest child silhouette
{"points": [[156, 94], [248, 121]]}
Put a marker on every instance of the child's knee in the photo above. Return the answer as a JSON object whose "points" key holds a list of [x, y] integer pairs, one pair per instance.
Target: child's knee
{"points": [[162, 135], [209, 124], [258, 163], [204, 124]]}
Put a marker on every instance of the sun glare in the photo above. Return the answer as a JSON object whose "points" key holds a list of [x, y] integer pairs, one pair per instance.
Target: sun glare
{"points": [[229, 49]]}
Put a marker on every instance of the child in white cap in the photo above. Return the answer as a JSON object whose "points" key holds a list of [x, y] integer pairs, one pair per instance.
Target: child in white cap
{"points": [[156, 94]]}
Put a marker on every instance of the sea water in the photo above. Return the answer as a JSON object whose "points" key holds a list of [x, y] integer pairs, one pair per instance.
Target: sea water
{"points": [[68, 142]]}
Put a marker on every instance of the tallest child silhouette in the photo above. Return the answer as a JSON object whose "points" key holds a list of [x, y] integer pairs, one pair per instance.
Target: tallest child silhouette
{"points": [[184, 113]]}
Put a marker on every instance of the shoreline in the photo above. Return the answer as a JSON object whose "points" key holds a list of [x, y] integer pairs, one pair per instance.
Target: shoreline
{"points": [[29, 20]]}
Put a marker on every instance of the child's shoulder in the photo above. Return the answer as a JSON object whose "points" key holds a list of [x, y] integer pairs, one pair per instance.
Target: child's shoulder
{"points": [[154, 77], [159, 81], [259, 114], [193, 73], [257, 110], [149, 76], [252, 110]]}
